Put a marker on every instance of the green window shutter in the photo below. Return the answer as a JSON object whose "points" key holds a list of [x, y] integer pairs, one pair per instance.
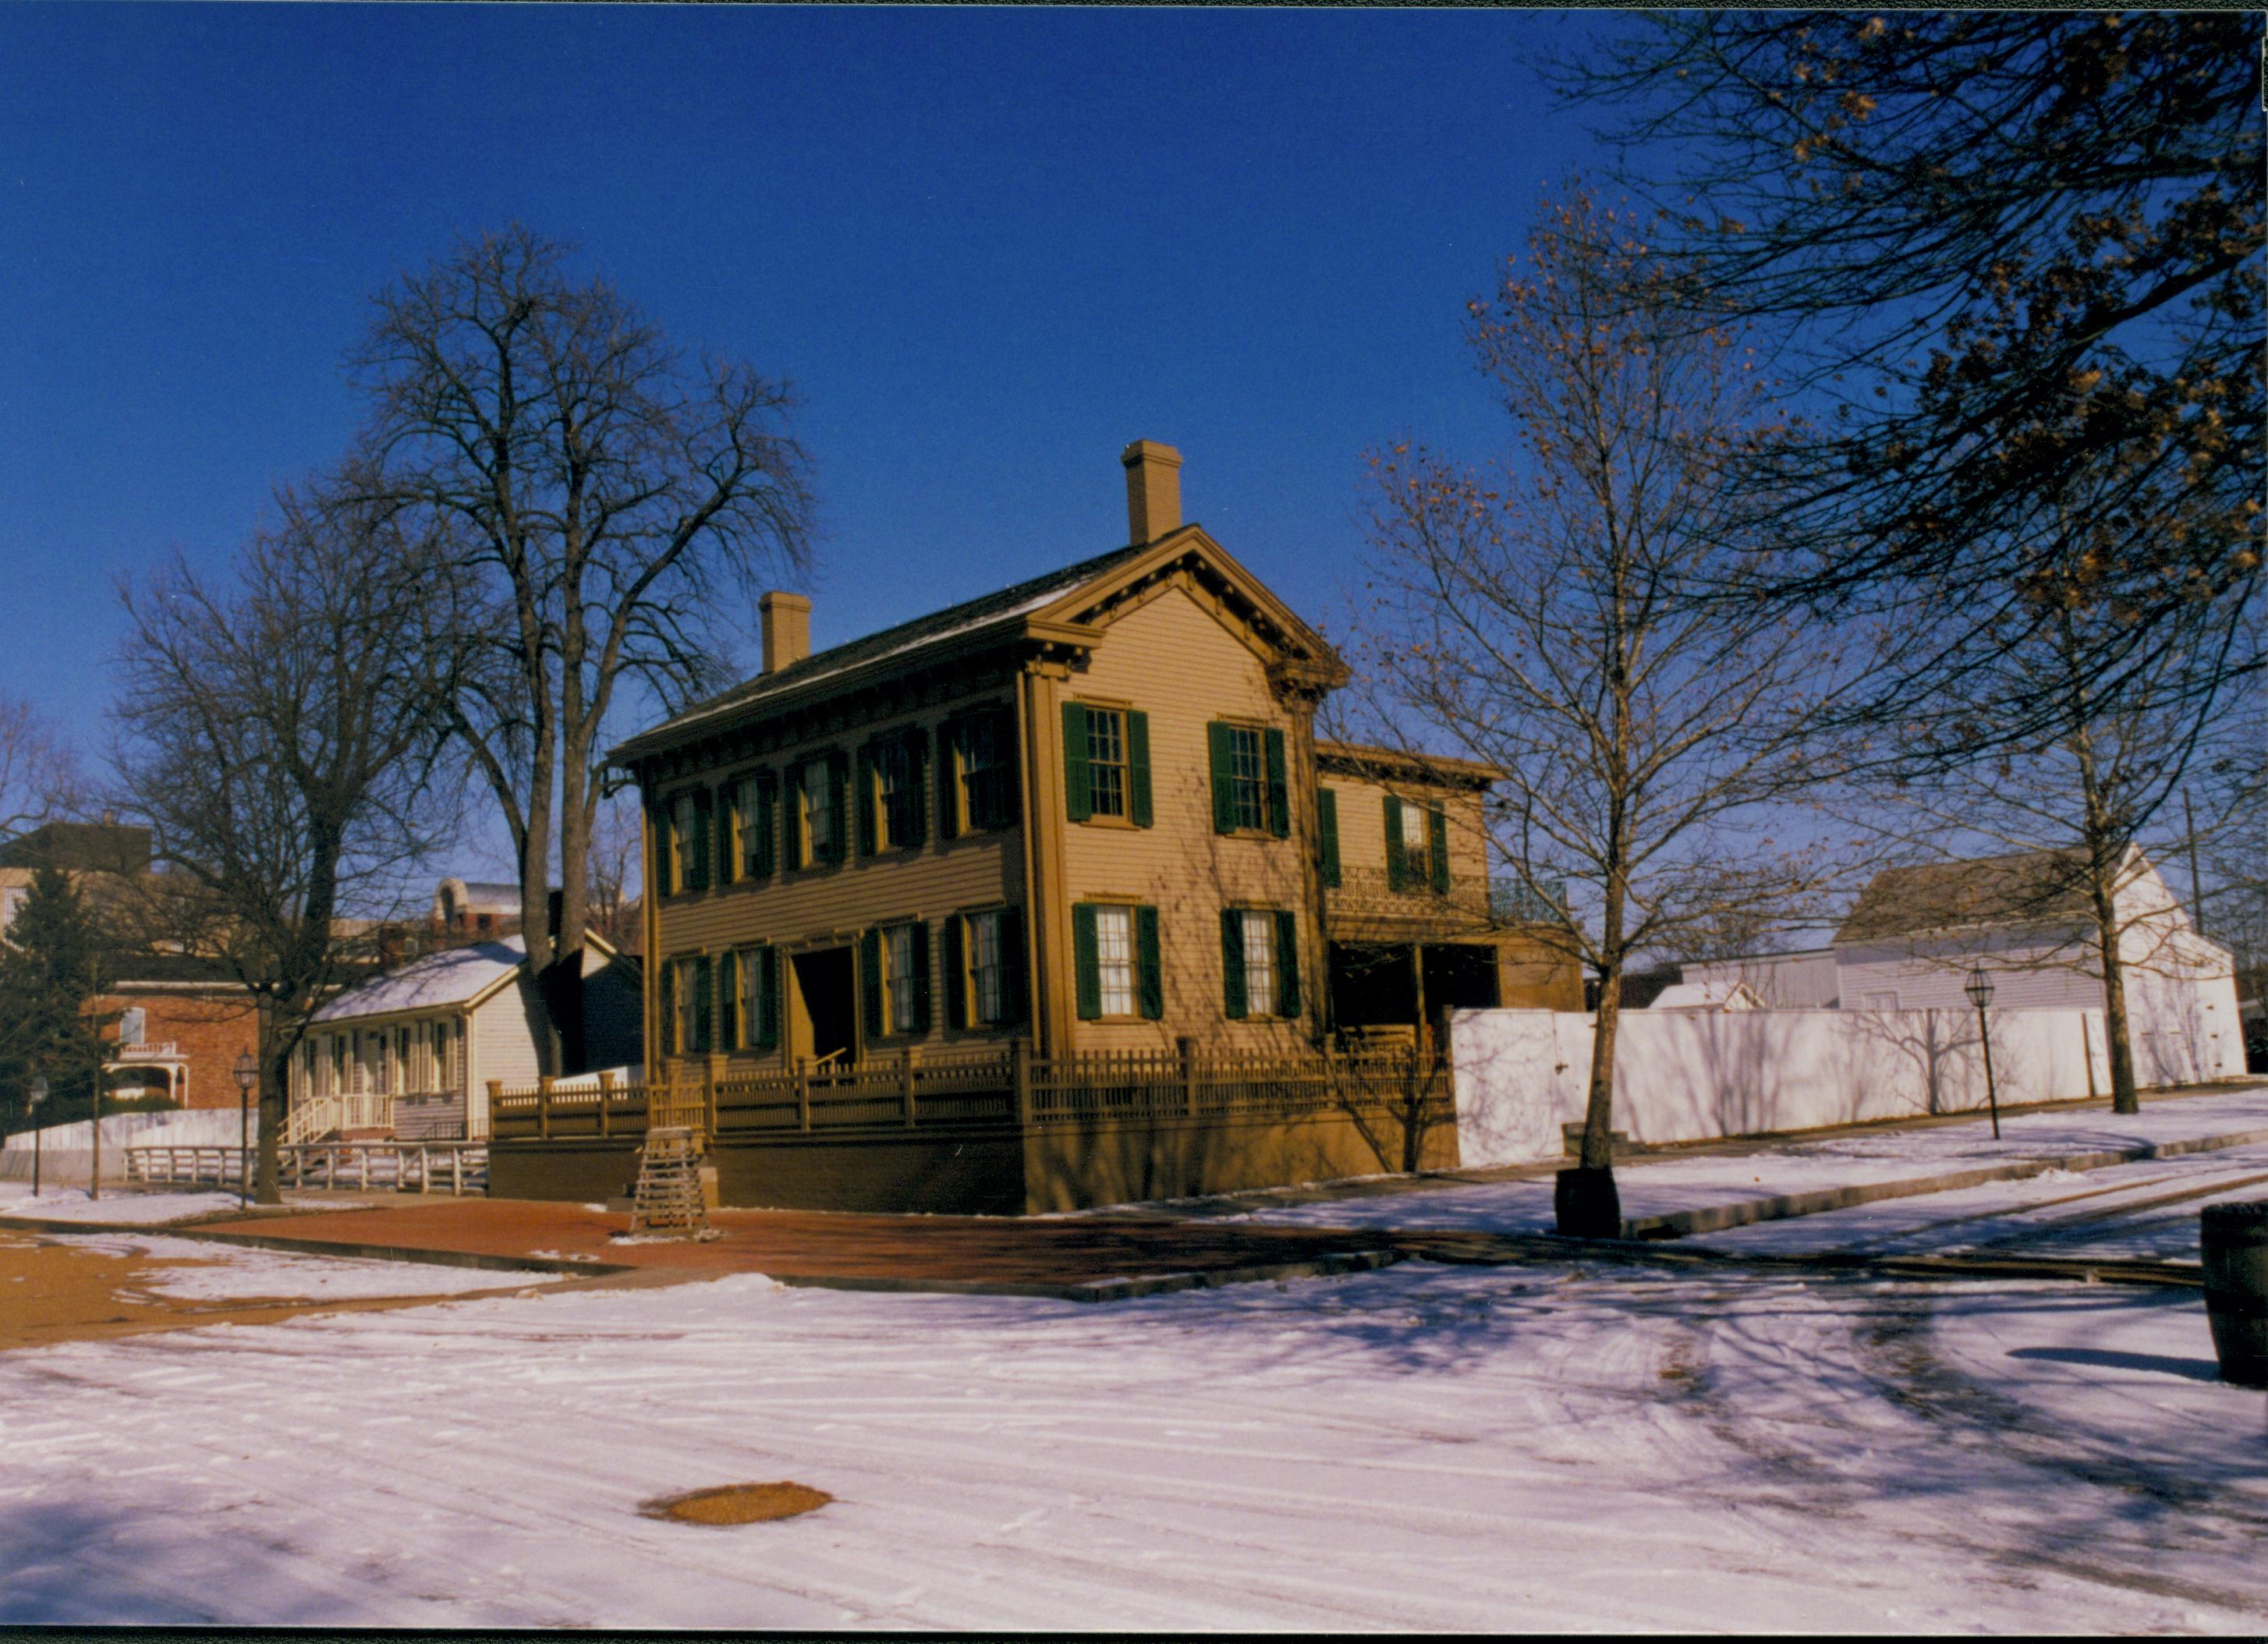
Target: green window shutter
{"points": [[665, 990], [1327, 824], [1436, 846], [862, 797], [1232, 962], [1224, 789], [915, 809], [1397, 870], [657, 819], [1014, 1004], [838, 783], [1086, 961], [1079, 800], [1006, 807], [1279, 790], [766, 822], [1138, 767], [869, 981], [1287, 965], [699, 852], [768, 998], [704, 1005], [956, 972], [949, 756], [921, 977], [1149, 971]]}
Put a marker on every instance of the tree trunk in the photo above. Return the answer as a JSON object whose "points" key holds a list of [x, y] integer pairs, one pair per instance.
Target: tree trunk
{"points": [[2125, 1094], [275, 1074], [1599, 1112]]}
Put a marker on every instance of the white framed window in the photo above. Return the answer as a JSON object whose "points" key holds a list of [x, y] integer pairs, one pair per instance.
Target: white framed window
{"points": [[1261, 993], [988, 976], [1106, 762], [898, 987], [1882, 1001], [820, 824], [1114, 959]]}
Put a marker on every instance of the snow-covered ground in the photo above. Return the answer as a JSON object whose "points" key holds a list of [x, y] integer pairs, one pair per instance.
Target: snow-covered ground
{"points": [[71, 1203], [2147, 1210], [229, 1273], [1664, 1183], [1535, 1447]]}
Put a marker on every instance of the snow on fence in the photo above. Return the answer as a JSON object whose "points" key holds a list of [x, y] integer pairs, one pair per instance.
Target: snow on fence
{"points": [[1521, 1075]]}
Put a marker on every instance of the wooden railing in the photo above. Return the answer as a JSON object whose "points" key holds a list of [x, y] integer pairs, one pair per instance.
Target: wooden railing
{"points": [[990, 1090], [408, 1167], [313, 1117]]}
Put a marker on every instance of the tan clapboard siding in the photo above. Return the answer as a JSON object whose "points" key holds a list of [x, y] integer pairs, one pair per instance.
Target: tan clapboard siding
{"points": [[1362, 825], [823, 907], [1176, 661], [499, 1047]]}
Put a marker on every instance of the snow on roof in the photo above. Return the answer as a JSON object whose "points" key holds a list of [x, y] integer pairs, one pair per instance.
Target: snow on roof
{"points": [[451, 977]]}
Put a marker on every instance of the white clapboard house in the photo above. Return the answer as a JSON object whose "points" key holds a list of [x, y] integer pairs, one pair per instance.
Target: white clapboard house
{"points": [[411, 1053], [1915, 933]]}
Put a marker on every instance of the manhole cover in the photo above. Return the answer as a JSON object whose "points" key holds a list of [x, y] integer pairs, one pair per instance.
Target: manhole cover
{"points": [[737, 1503]]}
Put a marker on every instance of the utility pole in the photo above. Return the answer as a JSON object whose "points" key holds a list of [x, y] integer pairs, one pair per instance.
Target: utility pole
{"points": [[2196, 885]]}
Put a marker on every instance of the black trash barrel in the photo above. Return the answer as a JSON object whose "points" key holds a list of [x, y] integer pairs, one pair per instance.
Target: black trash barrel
{"points": [[1585, 1204], [2235, 1245]]}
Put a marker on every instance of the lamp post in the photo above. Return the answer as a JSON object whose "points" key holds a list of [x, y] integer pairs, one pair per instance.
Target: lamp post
{"points": [[247, 1074], [37, 1092], [1979, 990]]}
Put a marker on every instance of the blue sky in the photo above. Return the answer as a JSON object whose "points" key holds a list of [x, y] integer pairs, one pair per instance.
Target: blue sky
{"points": [[989, 247]]}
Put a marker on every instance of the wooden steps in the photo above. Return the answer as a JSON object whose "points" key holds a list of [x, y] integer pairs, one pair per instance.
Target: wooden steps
{"points": [[669, 1199]]}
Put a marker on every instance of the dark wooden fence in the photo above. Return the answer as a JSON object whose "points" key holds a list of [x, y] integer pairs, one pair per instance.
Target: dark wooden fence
{"points": [[993, 1091]]}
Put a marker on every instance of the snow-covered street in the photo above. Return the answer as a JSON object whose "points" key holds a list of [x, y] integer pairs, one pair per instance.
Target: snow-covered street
{"points": [[1531, 1448]]}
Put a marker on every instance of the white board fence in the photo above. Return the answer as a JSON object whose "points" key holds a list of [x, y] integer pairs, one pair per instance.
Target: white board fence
{"points": [[1699, 1075]]}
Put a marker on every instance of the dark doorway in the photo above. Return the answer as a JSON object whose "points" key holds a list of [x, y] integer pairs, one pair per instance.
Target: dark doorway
{"points": [[1372, 985], [1459, 976], [830, 1014]]}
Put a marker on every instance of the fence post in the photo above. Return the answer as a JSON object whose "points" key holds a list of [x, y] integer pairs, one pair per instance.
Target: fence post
{"points": [[1020, 1066], [712, 1075], [457, 1171], [606, 1100], [907, 1072], [1187, 1046], [802, 1093], [543, 1108], [496, 1096]]}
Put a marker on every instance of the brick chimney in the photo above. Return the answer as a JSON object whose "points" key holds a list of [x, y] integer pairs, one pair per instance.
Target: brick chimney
{"points": [[787, 629], [1153, 491]]}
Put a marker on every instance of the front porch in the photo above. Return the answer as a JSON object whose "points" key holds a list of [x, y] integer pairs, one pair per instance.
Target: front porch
{"points": [[1002, 1134]]}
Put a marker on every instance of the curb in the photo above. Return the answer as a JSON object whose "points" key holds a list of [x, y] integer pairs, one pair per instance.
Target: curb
{"points": [[475, 1259], [1327, 1266], [1717, 1217]]}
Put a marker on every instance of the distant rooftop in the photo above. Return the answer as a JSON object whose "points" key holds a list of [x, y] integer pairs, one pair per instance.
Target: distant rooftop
{"points": [[2025, 887], [103, 847], [450, 977]]}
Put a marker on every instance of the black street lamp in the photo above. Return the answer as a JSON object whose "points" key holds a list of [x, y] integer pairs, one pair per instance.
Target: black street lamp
{"points": [[1979, 990], [247, 1074], [37, 1092]]}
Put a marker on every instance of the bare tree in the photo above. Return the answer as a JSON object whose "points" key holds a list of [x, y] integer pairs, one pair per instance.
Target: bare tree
{"points": [[1549, 619], [39, 776], [617, 847], [618, 503], [2019, 254], [279, 729], [2101, 784]]}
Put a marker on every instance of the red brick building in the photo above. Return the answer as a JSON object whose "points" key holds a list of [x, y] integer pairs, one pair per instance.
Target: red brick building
{"points": [[177, 1024]]}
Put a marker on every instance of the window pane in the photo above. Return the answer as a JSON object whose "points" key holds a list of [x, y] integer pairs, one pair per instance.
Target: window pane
{"points": [[981, 772], [1260, 964], [1105, 756], [1114, 954], [898, 972], [818, 812], [680, 839], [1247, 772]]}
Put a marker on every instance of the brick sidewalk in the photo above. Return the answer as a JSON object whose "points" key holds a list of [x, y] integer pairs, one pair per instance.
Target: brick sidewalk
{"points": [[915, 1251]]}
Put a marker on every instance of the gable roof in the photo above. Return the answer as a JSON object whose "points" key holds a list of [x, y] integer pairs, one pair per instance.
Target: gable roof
{"points": [[1375, 763], [2027, 887], [999, 607], [1070, 605], [455, 976]]}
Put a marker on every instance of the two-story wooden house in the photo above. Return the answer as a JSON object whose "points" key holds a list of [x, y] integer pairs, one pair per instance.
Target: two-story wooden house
{"points": [[1083, 818]]}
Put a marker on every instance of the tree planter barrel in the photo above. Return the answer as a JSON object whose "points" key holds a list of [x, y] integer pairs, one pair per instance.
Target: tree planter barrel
{"points": [[2236, 1246], [1587, 1205]]}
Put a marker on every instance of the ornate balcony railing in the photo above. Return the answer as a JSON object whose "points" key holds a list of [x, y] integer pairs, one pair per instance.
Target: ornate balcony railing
{"points": [[1371, 893]]}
